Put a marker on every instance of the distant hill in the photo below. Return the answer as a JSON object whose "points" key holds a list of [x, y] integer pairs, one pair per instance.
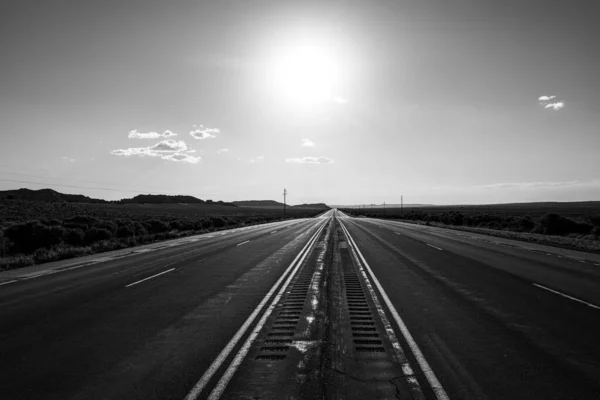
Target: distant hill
{"points": [[381, 206], [166, 199], [314, 206], [49, 195], [259, 204], [275, 204], [46, 195]]}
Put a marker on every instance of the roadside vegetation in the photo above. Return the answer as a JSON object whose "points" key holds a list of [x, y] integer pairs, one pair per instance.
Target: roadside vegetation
{"points": [[37, 232], [577, 228]]}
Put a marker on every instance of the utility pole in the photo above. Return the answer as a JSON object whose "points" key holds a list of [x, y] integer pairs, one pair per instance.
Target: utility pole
{"points": [[284, 195], [384, 208], [401, 205]]}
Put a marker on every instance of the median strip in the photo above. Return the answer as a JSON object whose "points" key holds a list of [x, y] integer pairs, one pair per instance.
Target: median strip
{"points": [[150, 277], [218, 362], [567, 296]]}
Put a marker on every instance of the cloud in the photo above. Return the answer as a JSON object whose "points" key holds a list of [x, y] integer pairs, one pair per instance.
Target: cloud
{"points": [[180, 157], [169, 146], [257, 159], [526, 184], [310, 160], [204, 133], [167, 150], [545, 101], [134, 134], [556, 106], [68, 159], [308, 143], [220, 151]]}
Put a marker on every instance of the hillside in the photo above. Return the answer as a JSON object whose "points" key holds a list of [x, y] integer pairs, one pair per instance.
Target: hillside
{"points": [[313, 206], [46, 195], [259, 204], [167, 199]]}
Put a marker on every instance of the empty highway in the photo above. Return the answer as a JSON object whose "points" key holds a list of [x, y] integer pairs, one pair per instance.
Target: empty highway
{"points": [[327, 308]]}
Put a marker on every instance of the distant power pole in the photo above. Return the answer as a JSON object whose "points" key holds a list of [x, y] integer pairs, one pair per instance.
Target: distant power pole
{"points": [[284, 195]]}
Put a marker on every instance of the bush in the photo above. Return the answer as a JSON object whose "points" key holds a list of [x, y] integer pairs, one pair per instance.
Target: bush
{"points": [[32, 235], [125, 231], [555, 224], [156, 226], [75, 237], [97, 234]]}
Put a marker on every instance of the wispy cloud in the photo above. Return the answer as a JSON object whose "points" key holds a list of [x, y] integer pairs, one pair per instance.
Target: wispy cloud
{"points": [[167, 150], [134, 134], [257, 159], [555, 106], [221, 151], [550, 102], [204, 133], [308, 143], [309, 160], [525, 184], [68, 159]]}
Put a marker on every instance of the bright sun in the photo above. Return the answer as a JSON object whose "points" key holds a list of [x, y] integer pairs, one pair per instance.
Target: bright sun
{"points": [[306, 75]]}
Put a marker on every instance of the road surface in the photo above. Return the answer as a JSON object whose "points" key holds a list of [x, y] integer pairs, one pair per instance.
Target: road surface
{"points": [[331, 307]]}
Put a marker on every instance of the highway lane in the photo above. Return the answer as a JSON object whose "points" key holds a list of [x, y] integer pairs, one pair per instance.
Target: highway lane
{"points": [[142, 325], [472, 307]]}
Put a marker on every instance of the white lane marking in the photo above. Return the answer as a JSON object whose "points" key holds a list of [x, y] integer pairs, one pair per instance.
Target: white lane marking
{"points": [[567, 296], [435, 247], [239, 244], [216, 364], [581, 261], [435, 384], [398, 233], [6, 283], [237, 361], [150, 277], [398, 352], [598, 265], [274, 232]]}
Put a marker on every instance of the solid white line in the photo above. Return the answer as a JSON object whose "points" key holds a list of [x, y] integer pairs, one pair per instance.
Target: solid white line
{"points": [[435, 384], [6, 283], [239, 244], [150, 277], [567, 296], [216, 364], [435, 247], [237, 361], [398, 352]]}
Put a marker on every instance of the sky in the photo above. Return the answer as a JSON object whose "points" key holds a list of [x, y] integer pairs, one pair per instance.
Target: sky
{"points": [[341, 102]]}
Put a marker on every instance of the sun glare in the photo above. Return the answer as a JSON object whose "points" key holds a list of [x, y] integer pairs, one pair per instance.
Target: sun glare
{"points": [[306, 75]]}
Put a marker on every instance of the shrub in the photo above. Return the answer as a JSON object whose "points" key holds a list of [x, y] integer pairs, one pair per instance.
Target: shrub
{"points": [[75, 237], [125, 231], [555, 224], [97, 234], [156, 226], [32, 235]]}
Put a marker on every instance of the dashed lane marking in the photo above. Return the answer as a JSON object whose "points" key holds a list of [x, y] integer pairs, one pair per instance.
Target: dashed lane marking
{"points": [[435, 247], [239, 244], [6, 283], [567, 296], [150, 277]]}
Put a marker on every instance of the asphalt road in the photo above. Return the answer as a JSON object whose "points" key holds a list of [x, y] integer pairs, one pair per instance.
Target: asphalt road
{"points": [[493, 318], [85, 333], [473, 306]]}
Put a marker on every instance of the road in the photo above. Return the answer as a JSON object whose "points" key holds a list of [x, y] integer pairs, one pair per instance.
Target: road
{"points": [[331, 307]]}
